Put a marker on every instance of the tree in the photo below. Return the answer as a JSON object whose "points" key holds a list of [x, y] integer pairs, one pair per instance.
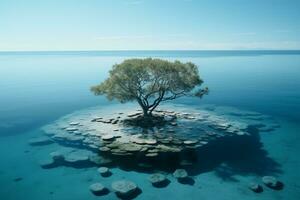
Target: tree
{"points": [[150, 82]]}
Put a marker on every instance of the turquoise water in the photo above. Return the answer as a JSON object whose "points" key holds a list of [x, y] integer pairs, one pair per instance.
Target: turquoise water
{"points": [[38, 88]]}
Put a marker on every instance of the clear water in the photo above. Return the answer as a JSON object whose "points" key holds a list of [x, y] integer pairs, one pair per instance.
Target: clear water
{"points": [[37, 88]]}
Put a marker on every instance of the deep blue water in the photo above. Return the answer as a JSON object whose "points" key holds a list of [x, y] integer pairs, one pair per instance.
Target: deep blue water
{"points": [[37, 88]]}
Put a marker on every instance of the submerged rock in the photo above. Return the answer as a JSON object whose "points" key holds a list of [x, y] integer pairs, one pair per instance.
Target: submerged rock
{"points": [[130, 147], [108, 137], [255, 187], [57, 156], [151, 155], [124, 188], [74, 123], [180, 174], [47, 163], [150, 141], [104, 171], [104, 149], [98, 189], [76, 157], [272, 182], [71, 129], [158, 180], [190, 142]]}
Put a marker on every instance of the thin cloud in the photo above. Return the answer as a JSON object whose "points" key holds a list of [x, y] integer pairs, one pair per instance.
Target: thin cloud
{"points": [[282, 31], [134, 2], [123, 37], [246, 33]]}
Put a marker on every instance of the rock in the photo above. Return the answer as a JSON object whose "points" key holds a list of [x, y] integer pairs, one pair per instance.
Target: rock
{"points": [[104, 171], [40, 141], [203, 142], [47, 163], [150, 141], [271, 182], [74, 123], [133, 115], [114, 121], [71, 129], [130, 147], [255, 187], [77, 132], [165, 141], [165, 148], [190, 142], [124, 188], [108, 137], [158, 180], [57, 156], [95, 159], [180, 174], [151, 155], [240, 133], [176, 142], [144, 149], [77, 158], [153, 151], [173, 124], [98, 189], [75, 138]]}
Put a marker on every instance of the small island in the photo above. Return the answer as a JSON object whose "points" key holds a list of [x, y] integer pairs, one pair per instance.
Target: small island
{"points": [[151, 135]]}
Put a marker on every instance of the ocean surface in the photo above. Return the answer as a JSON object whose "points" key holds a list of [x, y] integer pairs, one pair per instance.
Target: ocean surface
{"points": [[37, 88]]}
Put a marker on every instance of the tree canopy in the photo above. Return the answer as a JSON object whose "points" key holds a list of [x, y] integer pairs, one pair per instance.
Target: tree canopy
{"points": [[150, 82]]}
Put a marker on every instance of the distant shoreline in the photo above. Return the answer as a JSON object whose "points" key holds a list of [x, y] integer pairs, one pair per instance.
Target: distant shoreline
{"points": [[157, 53]]}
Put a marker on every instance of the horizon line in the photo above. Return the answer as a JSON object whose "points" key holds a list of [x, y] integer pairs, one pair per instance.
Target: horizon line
{"points": [[11, 51]]}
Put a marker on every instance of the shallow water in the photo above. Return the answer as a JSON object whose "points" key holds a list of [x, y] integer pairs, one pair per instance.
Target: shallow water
{"points": [[37, 89]]}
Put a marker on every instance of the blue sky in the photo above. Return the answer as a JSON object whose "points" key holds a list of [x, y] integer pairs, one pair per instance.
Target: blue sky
{"points": [[149, 24]]}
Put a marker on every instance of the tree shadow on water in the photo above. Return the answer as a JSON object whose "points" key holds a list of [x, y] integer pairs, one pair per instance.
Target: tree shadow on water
{"points": [[236, 156]]}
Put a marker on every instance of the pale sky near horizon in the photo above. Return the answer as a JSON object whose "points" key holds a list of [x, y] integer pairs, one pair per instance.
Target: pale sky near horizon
{"points": [[34, 25]]}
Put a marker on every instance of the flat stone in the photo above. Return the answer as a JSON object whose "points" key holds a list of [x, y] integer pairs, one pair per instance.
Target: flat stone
{"points": [[74, 123], [124, 188], [203, 142], [176, 142], [270, 181], [157, 179], [108, 137], [180, 174], [75, 138], [151, 154], [255, 187], [131, 147], [95, 159], [76, 157], [98, 189], [190, 142], [240, 133], [150, 141], [104, 171], [173, 124], [47, 163], [57, 156], [166, 148], [71, 129], [138, 140]]}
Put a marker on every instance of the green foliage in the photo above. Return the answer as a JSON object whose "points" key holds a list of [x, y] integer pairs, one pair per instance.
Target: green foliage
{"points": [[151, 81]]}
